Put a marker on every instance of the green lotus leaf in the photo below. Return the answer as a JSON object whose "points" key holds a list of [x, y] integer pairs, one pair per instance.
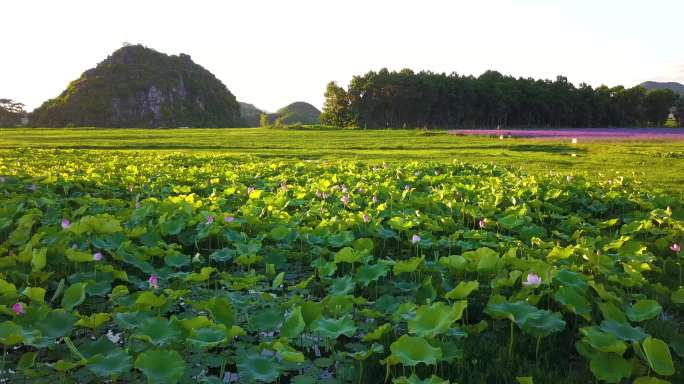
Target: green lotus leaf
{"points": [[363, 244], [542, 323], [340, 239], [678, 296], [610, 367], [207, 337], [411, 351], [502, 309], [570, 279], [375, 348], [161, 366], [347, 255], [278, 280], [58, 323], [511, 221], [454, 262], [202, 276], [38, 259], [280, 233], [223, 255], [524, 380], [177, 260], [93, 321], [10, 333], [221, 311], [333, 328], [64, 366], [572, 299], [369, 273], [487, 261], [377, 333], [603, 341], [644, 309], [193, 323], [342, 285], [27, 361], [435, 319], [78, 256], [149, 299], [294, 324], [462, 290], [130, 320], [611, 312], [258, 368], [407, 266], [559, 253], [36, 294], [413, 379], [114, 363], [267, 318], [311, 311], [649, 380], [623, 331], [74, 295], [658, 355], [7, 289], [158, 331]]}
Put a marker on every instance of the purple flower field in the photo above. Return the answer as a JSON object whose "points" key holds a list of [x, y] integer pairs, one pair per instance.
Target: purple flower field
{"points": [[581, 133]]}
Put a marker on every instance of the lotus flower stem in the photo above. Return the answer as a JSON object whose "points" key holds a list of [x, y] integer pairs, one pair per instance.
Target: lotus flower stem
{"points": [[510, 342], [536, 351]]}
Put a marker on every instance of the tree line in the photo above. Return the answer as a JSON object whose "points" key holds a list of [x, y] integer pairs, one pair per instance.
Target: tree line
{"points": [[396, 99]]}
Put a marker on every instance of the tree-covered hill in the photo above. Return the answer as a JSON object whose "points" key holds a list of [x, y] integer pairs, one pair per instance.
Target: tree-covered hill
{"points": [[427, 99], [139, 87], [655, 85], [300, 112]]}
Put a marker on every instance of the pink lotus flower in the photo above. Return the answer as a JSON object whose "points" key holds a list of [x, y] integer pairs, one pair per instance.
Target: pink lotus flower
{"points": [[415, 239], [482, 223], [154, 281], [375, 199], [675, 248], [97, 256], [366, 218], [407, 187], [345, 199], [345, 189], [532, 279], [18, 309], [66, 224], [210, 219], [250, 190], [228, 219]]}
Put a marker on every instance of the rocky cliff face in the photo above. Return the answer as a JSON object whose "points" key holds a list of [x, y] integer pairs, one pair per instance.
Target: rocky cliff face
{"points": [[140, 87]]}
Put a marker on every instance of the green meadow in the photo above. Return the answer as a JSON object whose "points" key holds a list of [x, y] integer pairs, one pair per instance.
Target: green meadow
{"points": [[658, 165]]}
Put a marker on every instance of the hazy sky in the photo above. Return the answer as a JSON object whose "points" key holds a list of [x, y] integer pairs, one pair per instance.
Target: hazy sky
{"points": [[271, 53]]}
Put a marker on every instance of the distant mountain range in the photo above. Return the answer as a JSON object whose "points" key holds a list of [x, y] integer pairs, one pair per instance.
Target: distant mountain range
{"points": [[297, 112], [673, 86], [137, 86]]}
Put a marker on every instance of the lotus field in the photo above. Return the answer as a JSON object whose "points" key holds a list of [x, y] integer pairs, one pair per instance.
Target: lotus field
{"points": [[185, 268]]}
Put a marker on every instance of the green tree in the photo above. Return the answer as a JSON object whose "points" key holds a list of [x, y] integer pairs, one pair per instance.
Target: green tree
{"points": [[11, 113], [657, 105], [263, 120], [336, 109]]}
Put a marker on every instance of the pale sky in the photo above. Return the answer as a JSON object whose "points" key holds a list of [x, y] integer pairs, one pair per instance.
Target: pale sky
{"points": [[272, 53]]}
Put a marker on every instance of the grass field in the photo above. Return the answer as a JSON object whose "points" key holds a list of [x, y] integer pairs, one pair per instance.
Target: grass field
{"points": [[657, 164]]}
